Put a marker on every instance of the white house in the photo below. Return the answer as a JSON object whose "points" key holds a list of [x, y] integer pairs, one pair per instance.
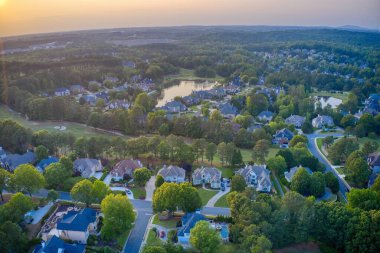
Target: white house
{"points": [[207, 175], [87, 167], [59, 92], [322, 121], [172, 173], [256, 176]]}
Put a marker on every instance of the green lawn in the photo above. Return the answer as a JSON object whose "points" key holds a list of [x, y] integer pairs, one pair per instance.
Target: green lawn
{"points": [[222, 202], [227, 172], [153, 238], [79, 130], [206, 195], [365, 139], [188, 74], [138, 192], [166, 224]]}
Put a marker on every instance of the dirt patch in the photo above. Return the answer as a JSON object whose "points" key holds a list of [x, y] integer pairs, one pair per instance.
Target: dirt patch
{"points": [[309, 247]]}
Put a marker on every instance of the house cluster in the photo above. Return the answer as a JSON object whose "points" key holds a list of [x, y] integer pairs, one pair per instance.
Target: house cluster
{"points": [[12, 161], [68, 224]]}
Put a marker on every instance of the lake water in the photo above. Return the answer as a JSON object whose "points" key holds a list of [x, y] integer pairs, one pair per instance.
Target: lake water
{"points": [[183, 89], [334, 102]]}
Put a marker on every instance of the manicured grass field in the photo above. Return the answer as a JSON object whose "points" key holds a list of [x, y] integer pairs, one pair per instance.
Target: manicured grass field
{"points": [[222, 202], [206, 195], [166, 224], [79, 130], [138, 192], [153, 238]]}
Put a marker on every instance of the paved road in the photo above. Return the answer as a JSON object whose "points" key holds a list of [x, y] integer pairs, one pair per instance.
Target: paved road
{"points": [[343, 187], [149, 188], [144, 212]]}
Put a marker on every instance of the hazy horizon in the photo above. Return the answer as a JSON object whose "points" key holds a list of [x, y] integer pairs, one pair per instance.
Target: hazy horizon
{"points": [[19, 17]]}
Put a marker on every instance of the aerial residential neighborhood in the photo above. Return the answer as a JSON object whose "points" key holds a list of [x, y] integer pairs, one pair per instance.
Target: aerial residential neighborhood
{"points": [[193, 136]]}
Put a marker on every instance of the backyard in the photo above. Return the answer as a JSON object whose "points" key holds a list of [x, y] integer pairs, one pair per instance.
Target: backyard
{"points": [[172, 223]]}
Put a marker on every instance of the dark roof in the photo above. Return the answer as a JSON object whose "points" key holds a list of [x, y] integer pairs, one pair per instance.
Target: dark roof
{"points": [[188, 222], [284, 133], [15, 160], [374, 159], [77, 220], [62, 89], [227, 109], [54, 244], [46, 162]]}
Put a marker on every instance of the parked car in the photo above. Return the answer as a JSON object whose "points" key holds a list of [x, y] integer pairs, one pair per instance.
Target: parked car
{"points": [[128, 191]]}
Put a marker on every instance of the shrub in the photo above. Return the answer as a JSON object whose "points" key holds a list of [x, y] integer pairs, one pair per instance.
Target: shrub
{"points": [[172, 236]]}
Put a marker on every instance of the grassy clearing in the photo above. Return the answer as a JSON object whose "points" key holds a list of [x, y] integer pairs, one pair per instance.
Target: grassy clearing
{"points": [[167, 224], [79, 130], [206, 195], [222, 202], [188, 74], [138, 193]]}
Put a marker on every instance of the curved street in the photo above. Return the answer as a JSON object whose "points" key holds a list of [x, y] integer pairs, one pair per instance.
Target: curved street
{"points": [[312, 145]]}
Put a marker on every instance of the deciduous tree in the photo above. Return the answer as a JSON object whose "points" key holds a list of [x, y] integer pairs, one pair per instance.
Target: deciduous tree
{"points": [[204, 238], [28, 178]]}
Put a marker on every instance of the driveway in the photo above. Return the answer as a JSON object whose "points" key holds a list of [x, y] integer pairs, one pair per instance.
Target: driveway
{"points": [[40, 213], [149, 188], [136, 237], [312, 145], [107, 179], [215, 211], [117, 188], [216, 197]]}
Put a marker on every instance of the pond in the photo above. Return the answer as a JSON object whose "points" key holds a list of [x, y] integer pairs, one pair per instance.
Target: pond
{"points": [[333, 102], [184, 88]]}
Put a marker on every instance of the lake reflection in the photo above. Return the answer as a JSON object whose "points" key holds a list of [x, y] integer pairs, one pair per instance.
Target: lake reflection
{"points": [[183, 89]]}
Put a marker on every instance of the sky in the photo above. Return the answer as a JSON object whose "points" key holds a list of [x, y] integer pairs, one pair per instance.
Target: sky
{"points": [[40, 16]]}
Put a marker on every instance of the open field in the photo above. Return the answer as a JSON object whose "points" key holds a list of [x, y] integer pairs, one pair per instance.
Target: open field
{"points": [[188, 74], [79, 130]]}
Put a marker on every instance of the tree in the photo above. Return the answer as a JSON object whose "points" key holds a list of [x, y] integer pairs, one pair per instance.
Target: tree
{"points": [[260, 151], [328, 140], [222, 152], [15, 209], [342, 148], [348, 120], [288, 156], [332, 182], [307, 127], [237, 158], [358, 170], [189, 198], [141, 176], [211, 151], [365, 199], [238, 183], [67, 164], [369, 147], [216, 116], [277, 164], [14, 239], [376, 185], [301, 182], [118, 215], [317, 184], [262, 245], [5, 178], [28, 178], [52, 195], [166, 197], [159, 181], [99, 191], [41, 152], [55, 175], [82, 192], [296, 139], [204, 238], [154, 249]]}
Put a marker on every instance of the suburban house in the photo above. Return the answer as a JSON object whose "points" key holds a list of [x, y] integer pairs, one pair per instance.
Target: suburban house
{"points": [[295, 120], [172, 173], [217, 93], [207, 175], [60, 92], [374, 162], [252, 128], [57, 245], [12, 161], [189, 220], [191, 100], [78, 225], [372, 104], [227, 110], [289, 174], [174, 107], [46, 162], [202, 94], [87, 167], [282, 137], [265, 116], [231, 89], [322, 121], [256, 176], [76, 88], [89, 99], [125, 168], [118, 104]]}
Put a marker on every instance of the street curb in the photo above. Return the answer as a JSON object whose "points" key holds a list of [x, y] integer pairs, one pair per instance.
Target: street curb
{"points": [[130, 232], [146, 232]]}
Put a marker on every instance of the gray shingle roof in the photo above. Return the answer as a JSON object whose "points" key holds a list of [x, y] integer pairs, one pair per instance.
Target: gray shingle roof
{"points": [[172, 171]]}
